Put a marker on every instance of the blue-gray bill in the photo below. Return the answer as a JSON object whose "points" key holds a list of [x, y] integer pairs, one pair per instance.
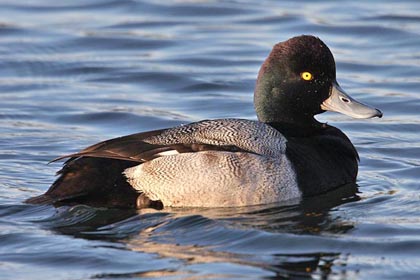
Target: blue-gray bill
{"points": [[339, 101]]}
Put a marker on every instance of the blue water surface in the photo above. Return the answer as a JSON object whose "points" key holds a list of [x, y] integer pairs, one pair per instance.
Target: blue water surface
{"points": [[76, 72]]}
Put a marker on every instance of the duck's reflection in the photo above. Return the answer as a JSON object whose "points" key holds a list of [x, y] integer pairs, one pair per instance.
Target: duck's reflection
{"points": [[224, 235]]}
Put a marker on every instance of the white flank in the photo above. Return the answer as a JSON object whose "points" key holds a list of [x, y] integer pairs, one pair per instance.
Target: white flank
{"points": [[215, 179]]}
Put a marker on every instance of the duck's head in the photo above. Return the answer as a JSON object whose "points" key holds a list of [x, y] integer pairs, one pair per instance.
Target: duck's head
{"points": [[298, 81]]}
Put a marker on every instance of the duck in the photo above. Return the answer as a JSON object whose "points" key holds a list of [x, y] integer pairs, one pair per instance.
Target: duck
{"points": [[284, 155]]}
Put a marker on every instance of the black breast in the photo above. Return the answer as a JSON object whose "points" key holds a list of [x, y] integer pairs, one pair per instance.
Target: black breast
{"points": [[323, 158]]}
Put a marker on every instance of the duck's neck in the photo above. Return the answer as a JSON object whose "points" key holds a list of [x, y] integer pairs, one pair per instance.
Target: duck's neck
{"points": [[289, 118], [295, 130], [277, 108]]}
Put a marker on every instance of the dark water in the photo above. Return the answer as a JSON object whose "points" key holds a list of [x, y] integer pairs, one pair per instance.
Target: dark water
{"points": [[76, 72]]}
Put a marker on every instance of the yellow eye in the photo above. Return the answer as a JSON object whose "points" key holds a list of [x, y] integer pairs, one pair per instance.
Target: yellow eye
{"points": [[307, 76]]}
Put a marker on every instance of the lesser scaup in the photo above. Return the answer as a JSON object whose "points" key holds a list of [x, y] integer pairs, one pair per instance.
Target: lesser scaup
{"points": [[286, 154]]}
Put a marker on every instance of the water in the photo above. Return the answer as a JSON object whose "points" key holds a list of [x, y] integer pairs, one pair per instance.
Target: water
{"points": [[76, 72]]}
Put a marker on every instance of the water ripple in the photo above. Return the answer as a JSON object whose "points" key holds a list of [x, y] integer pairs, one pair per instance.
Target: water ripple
{"points": [[74, 73]]}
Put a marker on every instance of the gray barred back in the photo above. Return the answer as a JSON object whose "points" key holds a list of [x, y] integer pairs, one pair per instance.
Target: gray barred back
{"points": [[251, 136]]}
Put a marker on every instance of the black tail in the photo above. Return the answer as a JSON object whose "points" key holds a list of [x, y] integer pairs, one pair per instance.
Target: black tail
{"points": [[97, 182]]}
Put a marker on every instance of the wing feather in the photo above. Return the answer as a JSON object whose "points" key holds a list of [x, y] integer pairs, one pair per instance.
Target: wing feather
{"points": [[224, 135]]}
